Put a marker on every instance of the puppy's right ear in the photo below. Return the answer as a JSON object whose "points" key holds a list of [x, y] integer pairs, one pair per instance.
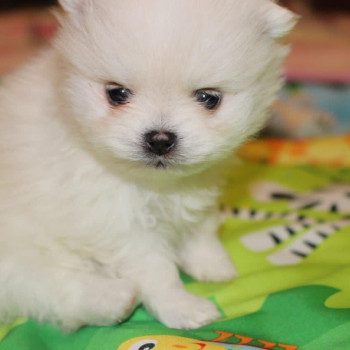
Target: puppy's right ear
{"points": [[75, 7]]}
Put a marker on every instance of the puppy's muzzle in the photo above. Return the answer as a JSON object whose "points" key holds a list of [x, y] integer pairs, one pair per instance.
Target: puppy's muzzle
{"points": [[160, 143]]}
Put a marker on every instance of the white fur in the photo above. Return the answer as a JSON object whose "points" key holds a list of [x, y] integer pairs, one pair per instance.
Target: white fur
{"points": [[88, 225]]}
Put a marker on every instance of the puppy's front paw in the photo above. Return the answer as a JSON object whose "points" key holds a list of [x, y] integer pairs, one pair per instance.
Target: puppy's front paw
{"points": [[183, 310], [101, 302]]}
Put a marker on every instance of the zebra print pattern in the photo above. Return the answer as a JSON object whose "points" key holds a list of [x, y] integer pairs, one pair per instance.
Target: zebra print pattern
{"points": [[315, 232], [334, 198]]}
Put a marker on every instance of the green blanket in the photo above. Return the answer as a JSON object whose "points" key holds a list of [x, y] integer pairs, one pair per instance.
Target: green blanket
{"points": [[288, 230]]}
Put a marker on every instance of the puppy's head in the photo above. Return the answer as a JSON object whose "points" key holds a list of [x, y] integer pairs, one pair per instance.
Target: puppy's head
{"points": [[170, 84]]}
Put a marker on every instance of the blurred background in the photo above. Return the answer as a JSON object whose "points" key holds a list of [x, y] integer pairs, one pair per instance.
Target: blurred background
{"points": [[314, 105]]}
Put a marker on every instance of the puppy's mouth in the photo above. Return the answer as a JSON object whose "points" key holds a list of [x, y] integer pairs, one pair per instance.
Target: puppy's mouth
{"points": [[160, 165], [163, 162]]}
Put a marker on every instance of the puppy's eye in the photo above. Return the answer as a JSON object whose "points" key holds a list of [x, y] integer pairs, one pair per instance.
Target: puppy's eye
{"points": [[117, 95], [210, 99]]}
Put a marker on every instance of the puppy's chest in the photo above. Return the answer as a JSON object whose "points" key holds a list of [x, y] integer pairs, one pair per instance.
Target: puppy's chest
{"points": [[144, 211], [117, 210]]}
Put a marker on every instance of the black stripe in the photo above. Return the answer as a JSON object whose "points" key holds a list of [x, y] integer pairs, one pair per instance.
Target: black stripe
{"points": [[334, 208], [275, 238], [310, 205], [235, 211], [302, 255], [301, 218], [322, 234], [253, 213], [290, 231], [310, 244], [280, 195]]}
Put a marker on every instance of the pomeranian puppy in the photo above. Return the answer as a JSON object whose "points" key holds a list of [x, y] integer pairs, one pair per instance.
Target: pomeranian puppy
{"points": [[109, 148]]}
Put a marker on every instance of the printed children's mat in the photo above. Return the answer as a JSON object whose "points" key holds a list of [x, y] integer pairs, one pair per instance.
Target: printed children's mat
{"points": [[288, 231]]}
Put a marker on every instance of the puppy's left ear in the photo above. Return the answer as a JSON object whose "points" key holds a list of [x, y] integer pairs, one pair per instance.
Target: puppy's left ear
{"points": [[279, 20]]}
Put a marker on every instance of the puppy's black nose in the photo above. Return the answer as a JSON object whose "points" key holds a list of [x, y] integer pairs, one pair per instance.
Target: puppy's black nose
{"points": [[160, 142]]}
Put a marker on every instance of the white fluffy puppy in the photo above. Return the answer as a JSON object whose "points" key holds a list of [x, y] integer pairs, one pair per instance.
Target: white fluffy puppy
{"points": [[109, 144]]}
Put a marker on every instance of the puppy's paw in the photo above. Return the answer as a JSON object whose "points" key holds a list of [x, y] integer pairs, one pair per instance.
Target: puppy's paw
{"points": [[102, 302], [183, 310], [209, 265]]}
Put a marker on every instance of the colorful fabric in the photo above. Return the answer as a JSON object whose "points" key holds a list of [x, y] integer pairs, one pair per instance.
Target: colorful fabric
{"points": [[328, 151], [288, 230]]}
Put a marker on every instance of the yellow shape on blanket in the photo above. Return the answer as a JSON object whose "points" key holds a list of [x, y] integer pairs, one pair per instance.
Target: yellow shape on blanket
{"points": [[5, 329], [167, 342]]}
